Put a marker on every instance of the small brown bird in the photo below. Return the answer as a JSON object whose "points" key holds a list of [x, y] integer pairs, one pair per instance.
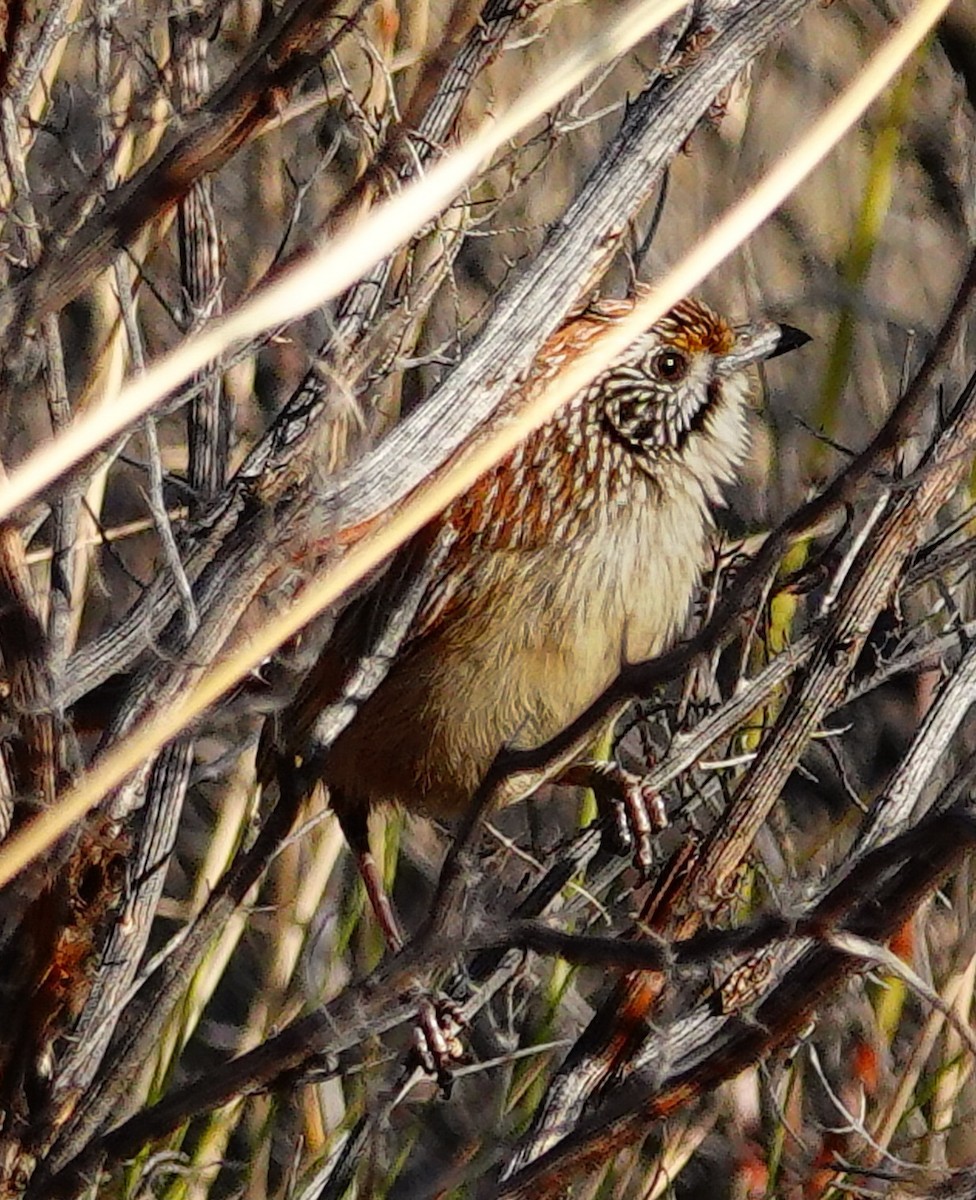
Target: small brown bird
{"points": [[579, 552]]}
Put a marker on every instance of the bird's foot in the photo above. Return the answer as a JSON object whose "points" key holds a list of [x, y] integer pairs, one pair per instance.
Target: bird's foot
{"points": [[437, 1044], [634, 810]]}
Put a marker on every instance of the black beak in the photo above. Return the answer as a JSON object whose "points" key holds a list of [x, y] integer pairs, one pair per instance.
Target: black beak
{"points": [[790, 338]]}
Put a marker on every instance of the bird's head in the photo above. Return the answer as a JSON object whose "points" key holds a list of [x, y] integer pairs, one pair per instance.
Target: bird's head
{"points": [[678, 394]]}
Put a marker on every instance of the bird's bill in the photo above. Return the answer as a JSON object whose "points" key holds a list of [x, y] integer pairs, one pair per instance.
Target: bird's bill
{"points": [[765, 340]]}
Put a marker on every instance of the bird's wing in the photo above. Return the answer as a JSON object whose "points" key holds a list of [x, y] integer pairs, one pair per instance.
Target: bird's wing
{"points": [[374, 628]]}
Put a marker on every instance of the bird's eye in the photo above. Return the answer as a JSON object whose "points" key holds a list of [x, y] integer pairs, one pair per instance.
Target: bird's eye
{"points": [[669, 365]]}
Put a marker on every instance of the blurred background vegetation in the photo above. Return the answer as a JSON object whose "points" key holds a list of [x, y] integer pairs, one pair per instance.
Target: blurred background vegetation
{"points": [[865, 256]]}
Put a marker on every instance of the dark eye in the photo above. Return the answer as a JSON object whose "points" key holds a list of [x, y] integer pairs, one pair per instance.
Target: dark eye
{"points": [[669, 365]]}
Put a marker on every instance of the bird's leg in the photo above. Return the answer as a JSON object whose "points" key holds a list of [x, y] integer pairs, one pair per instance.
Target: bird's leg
{"points": [[353, 821], [637, 809], [435, 1038]]}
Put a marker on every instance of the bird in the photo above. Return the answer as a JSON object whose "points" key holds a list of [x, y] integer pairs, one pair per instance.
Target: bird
{"points": [[578, 553]]}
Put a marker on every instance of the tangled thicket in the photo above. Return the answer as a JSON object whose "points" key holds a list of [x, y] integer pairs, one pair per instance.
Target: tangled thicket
{"points": [[189, 982]]}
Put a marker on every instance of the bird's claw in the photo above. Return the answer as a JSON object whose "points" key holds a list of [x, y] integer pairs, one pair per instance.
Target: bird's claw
{"points": [[635, 809], [437, 1045]]}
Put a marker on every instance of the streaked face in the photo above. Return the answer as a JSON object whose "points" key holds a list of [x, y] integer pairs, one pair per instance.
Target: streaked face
{"points": [[667, 384]]}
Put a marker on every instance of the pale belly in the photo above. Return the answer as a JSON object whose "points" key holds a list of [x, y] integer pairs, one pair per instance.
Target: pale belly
{"points": [[547, 636]]}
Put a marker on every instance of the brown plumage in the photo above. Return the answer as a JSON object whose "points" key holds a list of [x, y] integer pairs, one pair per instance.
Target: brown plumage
{"points": [[577, 553]]}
